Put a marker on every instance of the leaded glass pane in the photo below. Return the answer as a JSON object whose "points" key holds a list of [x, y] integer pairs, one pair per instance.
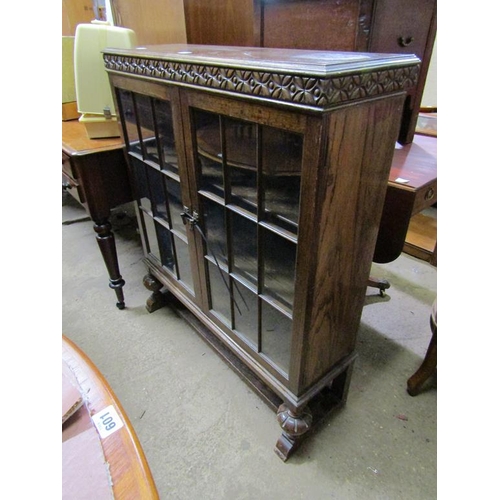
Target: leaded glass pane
{"points": [[282, 157], [246, 314], [241, 159], [141, 184], [244, 241], [146, 123], [279, 267], [215, 230], [220, 301], [152, 238], [130, 121], [165, 128], [159, 202], [184, 265], [175, 204], [166, 247], [209, 152], [276, 335]]}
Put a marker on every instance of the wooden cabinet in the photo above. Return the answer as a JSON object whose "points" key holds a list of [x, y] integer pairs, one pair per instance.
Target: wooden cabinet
{"points": [[406, 26], [386, 26], [259, 178]]}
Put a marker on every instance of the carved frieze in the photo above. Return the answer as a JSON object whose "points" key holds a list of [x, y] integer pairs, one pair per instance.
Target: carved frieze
{"points": [[312, 91]]}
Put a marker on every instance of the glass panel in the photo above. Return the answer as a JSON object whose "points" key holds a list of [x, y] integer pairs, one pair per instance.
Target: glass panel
{"points": [[215, 230], [141, 184], [166, 250], [282, 157], [128, 114], [219, 294], [159, 203], [166, 136], [211, 176], [241, 153], [276, 335], [209, 152], [281, 204], [183, 262], [146, 123], [244, 245], [279, 267], [149, 228], [175, 204], [246, 314], [244, 189], [241, 143], [281, 152]]}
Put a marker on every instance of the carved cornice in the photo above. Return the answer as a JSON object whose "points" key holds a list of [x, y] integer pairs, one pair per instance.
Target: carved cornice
{"points": [[311, 91]]}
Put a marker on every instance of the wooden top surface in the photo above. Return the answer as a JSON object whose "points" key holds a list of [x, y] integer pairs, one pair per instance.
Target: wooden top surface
{"points": [[415, 163], [128, 466], [309, 79], [298, 61], [75, 140]]}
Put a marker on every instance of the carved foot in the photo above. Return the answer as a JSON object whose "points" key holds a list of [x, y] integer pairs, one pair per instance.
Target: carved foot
{"points": [[294, 425], [157, 299]]}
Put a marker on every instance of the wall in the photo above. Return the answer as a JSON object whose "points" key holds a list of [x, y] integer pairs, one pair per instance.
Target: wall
{"points": [[429, 98], [154, 21]]}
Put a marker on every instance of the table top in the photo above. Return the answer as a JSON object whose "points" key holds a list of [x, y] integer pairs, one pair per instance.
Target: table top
{"points": [[296, 61], [128, 466], [75, 140], [315, 80], [427, 124], [415, 165]]}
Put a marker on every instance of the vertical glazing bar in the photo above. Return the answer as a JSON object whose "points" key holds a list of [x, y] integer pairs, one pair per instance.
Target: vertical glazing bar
{"points": [[260, 216], [225, 222], [138, 125], [157, 135], [122, 114], [164, 184]]}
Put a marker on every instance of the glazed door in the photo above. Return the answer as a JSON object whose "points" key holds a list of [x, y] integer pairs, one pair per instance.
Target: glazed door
{"points": [[153, 137], [247, 170]]}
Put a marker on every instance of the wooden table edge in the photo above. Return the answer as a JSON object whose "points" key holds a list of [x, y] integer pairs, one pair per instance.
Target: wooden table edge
{"points": [[128, 465]]}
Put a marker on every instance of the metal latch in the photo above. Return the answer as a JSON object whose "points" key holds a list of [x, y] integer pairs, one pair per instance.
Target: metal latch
{"points": [[188, 218]]}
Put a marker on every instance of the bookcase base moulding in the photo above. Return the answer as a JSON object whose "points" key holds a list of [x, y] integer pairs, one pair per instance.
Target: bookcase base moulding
{"points": [[259, 177]]}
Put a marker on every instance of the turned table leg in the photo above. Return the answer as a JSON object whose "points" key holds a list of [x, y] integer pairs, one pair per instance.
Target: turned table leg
{"points": [[106, 241], [293, 424]]}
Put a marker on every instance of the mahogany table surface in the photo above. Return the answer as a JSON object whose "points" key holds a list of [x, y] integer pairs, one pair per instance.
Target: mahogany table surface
{"points": [[128, 466], [76, 141], [412, 187], [415, 163]]}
